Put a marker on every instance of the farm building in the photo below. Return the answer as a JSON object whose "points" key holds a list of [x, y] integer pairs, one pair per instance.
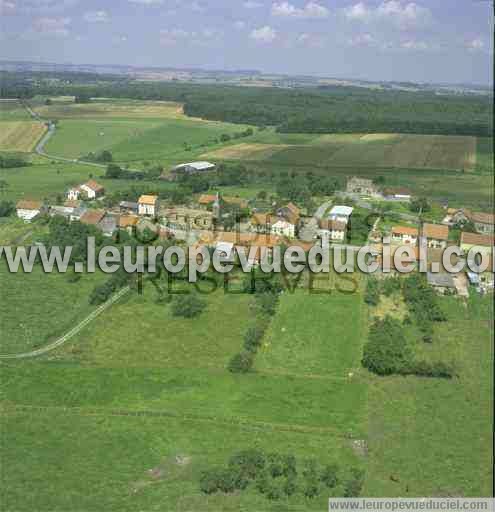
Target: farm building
{"points": [[341, 213], [89, 190], [29, 210], [397, 194], [361, 186], [148, 205], [92, 217], [437, 235], [193, 167], [483, 222]]}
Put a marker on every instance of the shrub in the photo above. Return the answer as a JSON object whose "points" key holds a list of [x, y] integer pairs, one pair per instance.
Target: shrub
{"points": [[372, 294], [353, 486], [7, 208], [187, 306], [253, 337], [250, 462], [329, 476], [241, 363]]}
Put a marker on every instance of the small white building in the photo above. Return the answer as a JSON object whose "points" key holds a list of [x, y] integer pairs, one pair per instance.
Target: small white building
{"points": [[73, 194], [29, 210], [89, 190], [404, 235], [341, 213], [283, 228], [148, 205], [331, 231]]}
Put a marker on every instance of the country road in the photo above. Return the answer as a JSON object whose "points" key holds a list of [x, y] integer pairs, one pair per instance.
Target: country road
{"points": [[75, 330]]}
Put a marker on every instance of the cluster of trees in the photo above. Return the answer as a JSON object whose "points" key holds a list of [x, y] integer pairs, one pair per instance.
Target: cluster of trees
{"points": [[12, 160], [423, 302], [187, 305], [265, 291], [225, 137], [103, 157], [388, 351], [103, 292], [279, 476], [375, 288], [420, 205], [307, 110]]}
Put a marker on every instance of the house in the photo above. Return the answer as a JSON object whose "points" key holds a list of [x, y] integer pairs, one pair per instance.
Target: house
{"points": [[148, 205], [61, 211], [128, 222], [128, 207], [193, 168], [331, 231], [291, 213], [483, 222], [397, 194], [276, 225], [404, 235], [361, 186], [482, 243], [205, 201], [88, 190], [341, 213], [442, 282], [29, 210], [437, 235], [92, 217]]}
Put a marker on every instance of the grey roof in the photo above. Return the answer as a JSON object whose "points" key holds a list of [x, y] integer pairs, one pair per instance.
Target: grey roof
{"points": [[442, 279], [78, 212], [129, 205], [108, 224]]}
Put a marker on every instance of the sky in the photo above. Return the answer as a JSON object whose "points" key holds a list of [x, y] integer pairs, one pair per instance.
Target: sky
{"points": [[434, 41]]}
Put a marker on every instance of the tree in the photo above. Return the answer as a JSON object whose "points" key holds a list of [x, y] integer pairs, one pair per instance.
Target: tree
{"points": [[241, 363], [188, 306], [7, 208], [420, 204], [113, 171], [329, 476], [353, 486]]}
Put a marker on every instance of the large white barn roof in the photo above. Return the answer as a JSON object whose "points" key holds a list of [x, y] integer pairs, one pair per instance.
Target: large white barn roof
{"points": [[341, 210], [198, 166]]}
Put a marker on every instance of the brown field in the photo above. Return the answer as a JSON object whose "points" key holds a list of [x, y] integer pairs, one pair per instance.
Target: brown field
{"points": [[155, 109], [245, 151], [20, 136]]}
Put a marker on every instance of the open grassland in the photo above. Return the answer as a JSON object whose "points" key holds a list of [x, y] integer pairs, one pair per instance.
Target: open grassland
{"points": [[21, 136], [435, 436], [484, 155], [36, 307], [245, 151], [307, 335], [80, 454], [44, 180]]}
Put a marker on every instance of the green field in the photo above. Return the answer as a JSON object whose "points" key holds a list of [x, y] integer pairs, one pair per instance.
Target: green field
{"points": [[13, 111], [37, 307]]}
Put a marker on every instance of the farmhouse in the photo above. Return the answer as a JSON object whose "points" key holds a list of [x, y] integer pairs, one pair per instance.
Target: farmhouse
{"points": [[404, 235], [128, 222], [88, 190], [29, 210], [193, 167], [148, 205], [361, 186], [482, 243], [331, 231], [341, 213], [397, 194], [437, 235], [483, 222]]}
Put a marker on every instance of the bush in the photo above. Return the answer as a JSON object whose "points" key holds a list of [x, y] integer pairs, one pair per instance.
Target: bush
{"points": [[223, 479], [353, 486], [372, 294], [253, 337], [7, 208], [250, 462], [241, 363], [329, 476], [187, 306]]}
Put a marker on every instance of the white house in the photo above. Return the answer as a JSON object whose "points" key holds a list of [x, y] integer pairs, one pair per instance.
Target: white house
{"points": [[148, 205], [90, 190], [283, 228], [404, 235], [331, 231], [73, 194], [29, 210], [341, 213]]}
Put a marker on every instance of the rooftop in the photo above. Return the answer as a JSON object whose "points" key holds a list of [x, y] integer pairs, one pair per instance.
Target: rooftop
{"points": [[405, 230], [29, 205], [198, 166], [436, 231], [477, 239], [92, 217], [341, 210], [149, 200]]}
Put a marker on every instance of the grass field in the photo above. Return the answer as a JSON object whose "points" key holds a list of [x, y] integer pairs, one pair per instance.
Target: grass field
{"points": [[13, 111], [34, 306], [21, 136], [245, 151]]}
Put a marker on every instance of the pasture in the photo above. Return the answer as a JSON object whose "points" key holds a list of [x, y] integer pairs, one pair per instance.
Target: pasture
{"points": [[13, 111], [20, 136], [245, 151], [36, 307]]}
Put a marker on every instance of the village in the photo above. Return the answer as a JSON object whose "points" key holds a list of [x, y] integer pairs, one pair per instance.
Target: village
{"points": [[215, 220]]}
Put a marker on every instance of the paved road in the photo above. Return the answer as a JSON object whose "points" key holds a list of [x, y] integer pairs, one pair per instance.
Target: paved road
{"points": [[75, 330]]}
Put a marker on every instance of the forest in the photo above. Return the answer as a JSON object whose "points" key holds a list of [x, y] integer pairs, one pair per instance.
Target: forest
{"points": [[306, 110]]}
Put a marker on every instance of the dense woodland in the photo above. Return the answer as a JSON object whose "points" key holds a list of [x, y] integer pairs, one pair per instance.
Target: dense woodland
{"points": [[309, 110]]}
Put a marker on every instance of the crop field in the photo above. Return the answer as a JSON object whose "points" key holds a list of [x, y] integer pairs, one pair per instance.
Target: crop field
{"points": [[21, 136], [64, 109], [245, 151]]}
